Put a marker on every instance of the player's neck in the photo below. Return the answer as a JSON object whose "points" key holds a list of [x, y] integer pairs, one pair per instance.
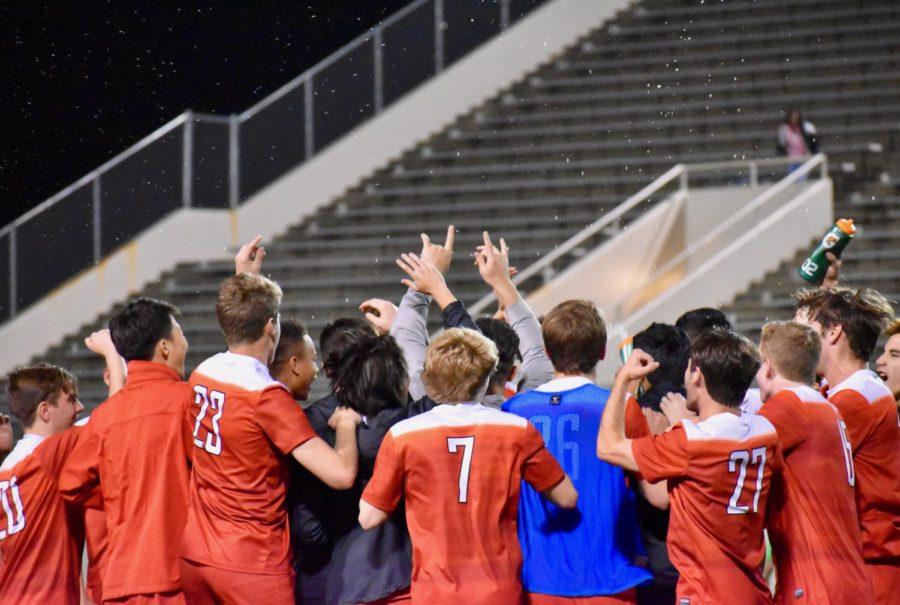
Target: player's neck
{"points": [[39, 429], [779, 383], [258, 350], [841, 368], [590, 375], [708, 407]]}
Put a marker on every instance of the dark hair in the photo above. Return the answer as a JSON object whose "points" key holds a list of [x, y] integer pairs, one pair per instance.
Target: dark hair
{"points": [[137, 328], [668, 345], [507, 341], [292, 334], [728, 362], [862, 314], [27, 387], [697, 322], [574, 336], [372, 376], [338, 338]]}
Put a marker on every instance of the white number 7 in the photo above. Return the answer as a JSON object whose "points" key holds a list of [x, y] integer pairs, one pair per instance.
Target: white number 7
{"points": [[468, 444]]}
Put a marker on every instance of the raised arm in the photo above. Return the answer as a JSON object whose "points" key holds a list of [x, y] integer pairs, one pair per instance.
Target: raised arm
{"points": [[101, 343], [410, 329], [612, 444]]}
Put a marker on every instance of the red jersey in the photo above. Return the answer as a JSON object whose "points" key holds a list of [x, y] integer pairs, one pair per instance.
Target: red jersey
{"points": [[459, 468], [242, 423], [719, 473], [135, 450], [812, 512], [636, 424], [868, 407], [39, 554]]}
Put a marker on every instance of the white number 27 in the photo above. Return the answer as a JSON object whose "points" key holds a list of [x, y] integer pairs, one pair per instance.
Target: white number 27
{"points": [[467, 444], [738, 461]]}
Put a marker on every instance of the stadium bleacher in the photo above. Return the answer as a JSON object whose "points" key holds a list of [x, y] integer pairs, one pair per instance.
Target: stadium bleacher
{"points": [[664, 82]]}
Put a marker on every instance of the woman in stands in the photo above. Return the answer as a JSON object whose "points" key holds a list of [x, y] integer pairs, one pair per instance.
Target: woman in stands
{"points": [[797, 138]]}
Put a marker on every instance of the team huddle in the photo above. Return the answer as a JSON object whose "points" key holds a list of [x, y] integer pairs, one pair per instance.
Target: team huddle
{"points": [[484, 466]]}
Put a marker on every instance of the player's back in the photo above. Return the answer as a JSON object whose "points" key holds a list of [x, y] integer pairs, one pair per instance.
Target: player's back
{"points": [[720, 473], [870, 412], [39, 554], [242, 422], [592, 548], [812, 513], [460, 468]]}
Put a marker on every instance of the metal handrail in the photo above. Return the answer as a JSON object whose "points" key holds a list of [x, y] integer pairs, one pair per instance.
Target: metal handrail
{"points": [[681, 171], [800, 173]]}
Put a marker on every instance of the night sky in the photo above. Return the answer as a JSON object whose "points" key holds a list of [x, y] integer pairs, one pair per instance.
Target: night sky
{"points": [[82, 81]]}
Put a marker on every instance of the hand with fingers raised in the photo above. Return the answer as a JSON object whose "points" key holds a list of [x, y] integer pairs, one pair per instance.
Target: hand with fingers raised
{"points": [[425, 277], [493, 265], [440, 256], [250, 257], [380, 314]]}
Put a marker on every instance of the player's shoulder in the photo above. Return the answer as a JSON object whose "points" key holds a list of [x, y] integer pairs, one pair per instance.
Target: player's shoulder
{"points": [[232, 372], [454, 416], [862, 385], [727, 427]]}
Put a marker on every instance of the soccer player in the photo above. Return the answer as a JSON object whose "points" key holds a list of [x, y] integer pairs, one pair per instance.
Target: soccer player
{"points": [[849, 323], [812, 521], [242, 422], [295, 362], [592, 550], [135, 452], [39, 544], [888, 364], [719, 470], [459, 467]]}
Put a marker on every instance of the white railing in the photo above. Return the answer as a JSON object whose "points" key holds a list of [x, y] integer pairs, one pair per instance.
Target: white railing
{"points": [[748, 171], [209, 161]]}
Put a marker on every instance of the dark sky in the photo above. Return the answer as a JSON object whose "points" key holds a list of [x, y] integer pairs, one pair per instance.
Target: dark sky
{"points": [[81, 81]]}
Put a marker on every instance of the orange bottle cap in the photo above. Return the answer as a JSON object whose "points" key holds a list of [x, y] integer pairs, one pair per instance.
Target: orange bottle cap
{"points": [[846, 225]]}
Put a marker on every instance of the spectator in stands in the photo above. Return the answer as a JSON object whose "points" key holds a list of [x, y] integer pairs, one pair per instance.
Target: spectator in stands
{"points": [[797, 138], [888, 364]]}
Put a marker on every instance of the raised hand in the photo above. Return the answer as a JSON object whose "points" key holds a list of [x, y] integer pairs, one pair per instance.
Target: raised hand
{"points": [[674, 406], [440, 256], [425, 277], [6, 433], [493, 264], [250, 257], [380, 314], [344, 416], [834, 269], [100, 342], [638, 365]]}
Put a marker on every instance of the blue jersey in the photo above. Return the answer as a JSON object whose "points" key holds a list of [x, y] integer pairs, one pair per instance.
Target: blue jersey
{"points": [[589, 551]]}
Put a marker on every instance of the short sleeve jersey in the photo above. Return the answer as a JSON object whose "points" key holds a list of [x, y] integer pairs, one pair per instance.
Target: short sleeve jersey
{"points": [[39, 555], [868, 407], [459, 469], [719, 473], [812, 519], [243, 423]]}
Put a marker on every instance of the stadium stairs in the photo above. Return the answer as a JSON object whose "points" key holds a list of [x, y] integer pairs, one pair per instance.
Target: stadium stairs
{"points": [[664, 82]]}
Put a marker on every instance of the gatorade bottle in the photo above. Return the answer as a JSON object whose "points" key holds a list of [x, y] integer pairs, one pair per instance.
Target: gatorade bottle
{"points": [[815, 266]]}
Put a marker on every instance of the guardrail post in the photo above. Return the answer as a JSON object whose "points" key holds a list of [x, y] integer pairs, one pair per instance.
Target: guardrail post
{"points": [[187, 159], [234, 158], [98, 232], [824, 167], [683, 180], [308, 131], [13, 278], [754, 174], [438, 36], [378, 70], [504, 14]]}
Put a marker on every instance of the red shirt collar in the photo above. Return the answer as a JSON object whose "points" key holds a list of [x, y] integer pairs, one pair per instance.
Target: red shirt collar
{"points": [[146, 371]]}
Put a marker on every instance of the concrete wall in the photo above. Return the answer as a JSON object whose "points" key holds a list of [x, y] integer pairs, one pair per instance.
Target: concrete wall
{"points": [[532, 41]]}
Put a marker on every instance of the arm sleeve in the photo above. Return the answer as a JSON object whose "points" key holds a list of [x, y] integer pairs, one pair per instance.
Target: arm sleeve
{"points": [[386, 485], [411, 331], [536, 366], [539, 468], [282, 420], [79, 477], [635, 422], [456, 316], [786, 415], [662, 456]]}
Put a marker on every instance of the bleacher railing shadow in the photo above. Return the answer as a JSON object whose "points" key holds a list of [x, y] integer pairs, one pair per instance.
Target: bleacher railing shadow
{"points": [[209, 161]]}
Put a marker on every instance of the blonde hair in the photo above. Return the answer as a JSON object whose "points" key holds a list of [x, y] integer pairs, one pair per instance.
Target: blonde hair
{"points": [[792, 348], [458, 365], [246, 303], [893, 328]]}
